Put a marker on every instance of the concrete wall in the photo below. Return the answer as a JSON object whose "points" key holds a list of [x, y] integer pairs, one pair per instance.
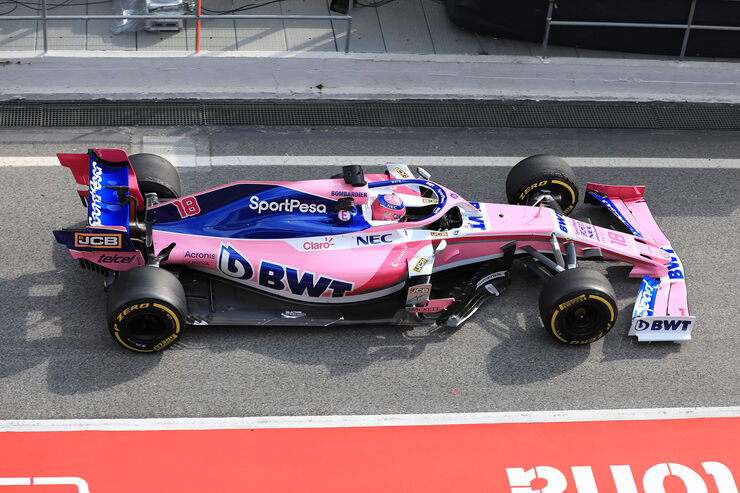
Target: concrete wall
{"points": [[119, 75]]}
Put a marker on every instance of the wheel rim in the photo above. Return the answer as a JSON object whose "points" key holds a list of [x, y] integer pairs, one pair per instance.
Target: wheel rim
{"points": [[584, 319], [146, 328], [562, 195]]}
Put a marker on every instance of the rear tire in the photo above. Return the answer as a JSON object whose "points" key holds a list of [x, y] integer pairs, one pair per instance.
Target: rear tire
{"points": [[542, 172], [146, 309], [578, 306], [155, 174]]}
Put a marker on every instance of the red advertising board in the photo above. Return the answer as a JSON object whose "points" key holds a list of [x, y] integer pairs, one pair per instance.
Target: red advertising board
{"points": [[637, 456]]}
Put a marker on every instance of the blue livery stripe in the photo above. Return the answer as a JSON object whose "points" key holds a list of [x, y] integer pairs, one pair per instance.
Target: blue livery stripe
{"points": [[610, 205], [257, 211]]}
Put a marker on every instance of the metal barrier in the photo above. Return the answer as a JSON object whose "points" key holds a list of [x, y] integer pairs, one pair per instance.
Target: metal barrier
{"points": [[686, 27], [44, 18]]}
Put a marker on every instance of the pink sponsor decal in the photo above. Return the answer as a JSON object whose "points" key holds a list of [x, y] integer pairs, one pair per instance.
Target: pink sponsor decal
{"points": [[112, 260], [434, 306]]}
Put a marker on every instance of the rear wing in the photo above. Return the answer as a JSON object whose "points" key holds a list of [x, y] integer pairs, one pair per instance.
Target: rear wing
{"points": [[98, 170], [661, 310], [110, 192]]}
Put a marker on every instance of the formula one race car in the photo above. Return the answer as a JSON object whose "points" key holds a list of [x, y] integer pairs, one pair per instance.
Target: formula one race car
{"points": [[360, 249]]}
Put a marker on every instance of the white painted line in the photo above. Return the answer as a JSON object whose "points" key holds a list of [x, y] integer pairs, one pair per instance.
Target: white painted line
{"points": [[477, 161], [412, 161], [291, 75], [28, 161], [180, 151], [367, 420]]}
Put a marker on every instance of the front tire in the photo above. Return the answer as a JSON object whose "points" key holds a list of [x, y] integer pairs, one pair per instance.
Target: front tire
{"points": [[578, 306], [146, 309], [543, 172]]}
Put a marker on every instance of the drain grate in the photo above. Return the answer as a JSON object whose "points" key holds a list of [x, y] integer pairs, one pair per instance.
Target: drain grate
{"points": [[467, 113]]}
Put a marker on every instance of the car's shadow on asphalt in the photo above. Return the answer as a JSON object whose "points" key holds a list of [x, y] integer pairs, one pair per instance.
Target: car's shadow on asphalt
{"points": [[341, 350], [56, 317], [521, 334]]}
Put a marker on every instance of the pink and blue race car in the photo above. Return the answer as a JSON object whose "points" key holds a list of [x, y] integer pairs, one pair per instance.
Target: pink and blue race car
{"points": [[360, 248]]}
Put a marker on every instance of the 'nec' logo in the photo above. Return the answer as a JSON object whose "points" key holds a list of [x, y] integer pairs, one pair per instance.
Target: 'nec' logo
{"points": [[373, 239], [92, 240]]}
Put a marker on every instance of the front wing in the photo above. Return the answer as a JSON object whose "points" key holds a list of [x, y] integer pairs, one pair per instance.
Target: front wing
{"points": [[661, 310]]}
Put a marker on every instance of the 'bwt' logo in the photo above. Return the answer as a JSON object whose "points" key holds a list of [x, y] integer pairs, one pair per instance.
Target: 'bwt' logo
{"points": [[232, 263], [561, 222], [279, 277], [663, 325], [675, 269]]}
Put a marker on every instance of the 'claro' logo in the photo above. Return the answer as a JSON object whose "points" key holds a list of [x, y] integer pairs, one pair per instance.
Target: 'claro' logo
{"points": [[319, 245], [546, 479]]}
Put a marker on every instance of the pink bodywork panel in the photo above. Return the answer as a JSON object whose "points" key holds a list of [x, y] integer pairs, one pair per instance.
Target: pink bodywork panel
{"points": [[322, 256], [534, 227], [434, 306]]}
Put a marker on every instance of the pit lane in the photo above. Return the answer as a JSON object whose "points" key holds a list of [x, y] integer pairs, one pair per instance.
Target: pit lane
{"points": [[58, 360]]}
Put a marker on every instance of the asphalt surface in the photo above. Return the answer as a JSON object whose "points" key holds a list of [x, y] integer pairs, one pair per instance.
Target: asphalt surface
{"points": [[57, 359]]}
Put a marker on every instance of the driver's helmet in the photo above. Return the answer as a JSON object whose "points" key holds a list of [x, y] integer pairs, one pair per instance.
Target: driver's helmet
{"points": [[388, 207]]}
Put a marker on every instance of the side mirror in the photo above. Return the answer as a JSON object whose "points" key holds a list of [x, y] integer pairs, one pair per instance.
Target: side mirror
{"points": [[121, 191], [423, 173], [441, 246]]}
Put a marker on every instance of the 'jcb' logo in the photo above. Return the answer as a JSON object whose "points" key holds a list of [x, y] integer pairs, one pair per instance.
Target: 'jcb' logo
{"points": [[92, 240]]}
